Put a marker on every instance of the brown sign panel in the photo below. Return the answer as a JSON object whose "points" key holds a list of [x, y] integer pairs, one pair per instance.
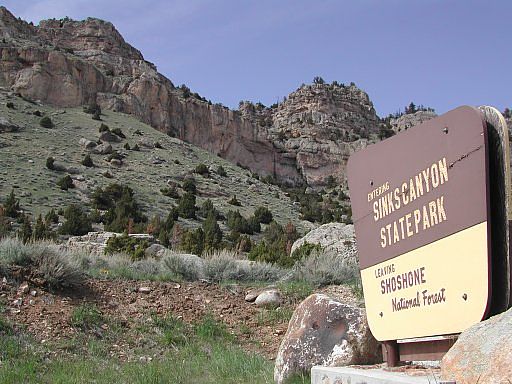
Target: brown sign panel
{"points": [[419, 203]]}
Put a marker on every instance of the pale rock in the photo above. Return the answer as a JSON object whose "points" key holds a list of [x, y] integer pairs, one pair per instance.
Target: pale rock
{"points": [[109, 137], [154, 251], [23, 288], [482, 354], [116, 162], [323, 331], [144, 289], [409, 120], [269, 298], [102, 149], [88, 144], [8, 126], [253, 294]]}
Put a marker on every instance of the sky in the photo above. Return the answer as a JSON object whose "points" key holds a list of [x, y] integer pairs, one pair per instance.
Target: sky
{"points": [[438, 53]]}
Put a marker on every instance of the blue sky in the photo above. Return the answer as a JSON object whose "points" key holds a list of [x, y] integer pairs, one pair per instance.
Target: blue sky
{"points": [[439, 53]]}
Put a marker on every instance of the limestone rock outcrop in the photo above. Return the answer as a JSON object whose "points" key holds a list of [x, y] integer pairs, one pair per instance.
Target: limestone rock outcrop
{"points": [[482, 354], [331, 237], [324, 331], [68, 63], [409, 120]]}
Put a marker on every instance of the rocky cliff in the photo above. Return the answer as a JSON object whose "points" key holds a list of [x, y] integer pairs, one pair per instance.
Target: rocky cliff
{"points": [[66, 63]]}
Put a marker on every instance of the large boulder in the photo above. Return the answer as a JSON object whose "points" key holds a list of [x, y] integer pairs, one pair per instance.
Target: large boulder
{"points": [[324, 331], [109, 137], [331, 237], [7, 125], [102, 149], [88, 144], [482, 354]]}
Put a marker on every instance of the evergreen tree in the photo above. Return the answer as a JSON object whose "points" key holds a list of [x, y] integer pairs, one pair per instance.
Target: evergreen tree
{"points": [[25, 232], [77, 221], [212, 232], [187, 206], [40, 229], [263, 215], [12, 205], [51, 217], [193, 242]]}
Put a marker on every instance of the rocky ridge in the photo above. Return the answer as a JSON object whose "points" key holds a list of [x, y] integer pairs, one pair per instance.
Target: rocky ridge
{"points": [[68, 63]]}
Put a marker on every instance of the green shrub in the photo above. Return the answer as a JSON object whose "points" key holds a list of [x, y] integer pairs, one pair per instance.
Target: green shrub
{"points": [[96, 116], [11, 205], [305, 250], [46, 261], [136, 148], [263, 215], [174, 331], [127, 146], [50, 163], [189, 185], [51, 217], [234, 201], [92, 108], [171, 192], [42, 230], [275, 248], [25, 231], [193, 242], [187, 206], [158, 145], [202, 169], [10, 105], [236, 222], [208, 208], [122, 208], [65, 183], [212, 233], [210, 328], [221, 171], [117, 131], [132, 246], [87, 161], [325, 267], [183, 268], [243, 243], [46, 122], [77, 221], [224, 266], [318, 80], [103, 128], [115, 155], [86, 317], [254, 225], [5, 225]]}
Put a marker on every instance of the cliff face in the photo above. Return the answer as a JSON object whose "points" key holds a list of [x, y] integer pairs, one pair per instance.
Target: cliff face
{"points": [[307, 138]]}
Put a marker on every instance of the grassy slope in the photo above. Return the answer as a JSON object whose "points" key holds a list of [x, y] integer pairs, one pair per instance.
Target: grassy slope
{"points": [[23, 157]]}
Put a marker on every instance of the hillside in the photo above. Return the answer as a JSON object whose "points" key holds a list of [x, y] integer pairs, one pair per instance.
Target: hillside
{"points": [[303, 140], [26, 146]]}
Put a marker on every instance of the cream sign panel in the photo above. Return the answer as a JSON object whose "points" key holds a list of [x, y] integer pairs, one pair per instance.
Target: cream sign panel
{"points": [[419, 203]]}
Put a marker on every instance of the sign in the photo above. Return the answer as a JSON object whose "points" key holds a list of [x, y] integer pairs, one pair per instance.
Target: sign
{"points": [[420, 203]]}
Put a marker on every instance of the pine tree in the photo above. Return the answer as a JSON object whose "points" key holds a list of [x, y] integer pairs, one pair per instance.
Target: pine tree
{"points": [[212, 232], [77, 222], [25, 232], [40, 229], [187, 206], [12, 205]]}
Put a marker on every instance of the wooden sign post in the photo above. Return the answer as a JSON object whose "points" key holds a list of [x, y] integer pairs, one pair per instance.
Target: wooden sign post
{"points": [[431, 213]]}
